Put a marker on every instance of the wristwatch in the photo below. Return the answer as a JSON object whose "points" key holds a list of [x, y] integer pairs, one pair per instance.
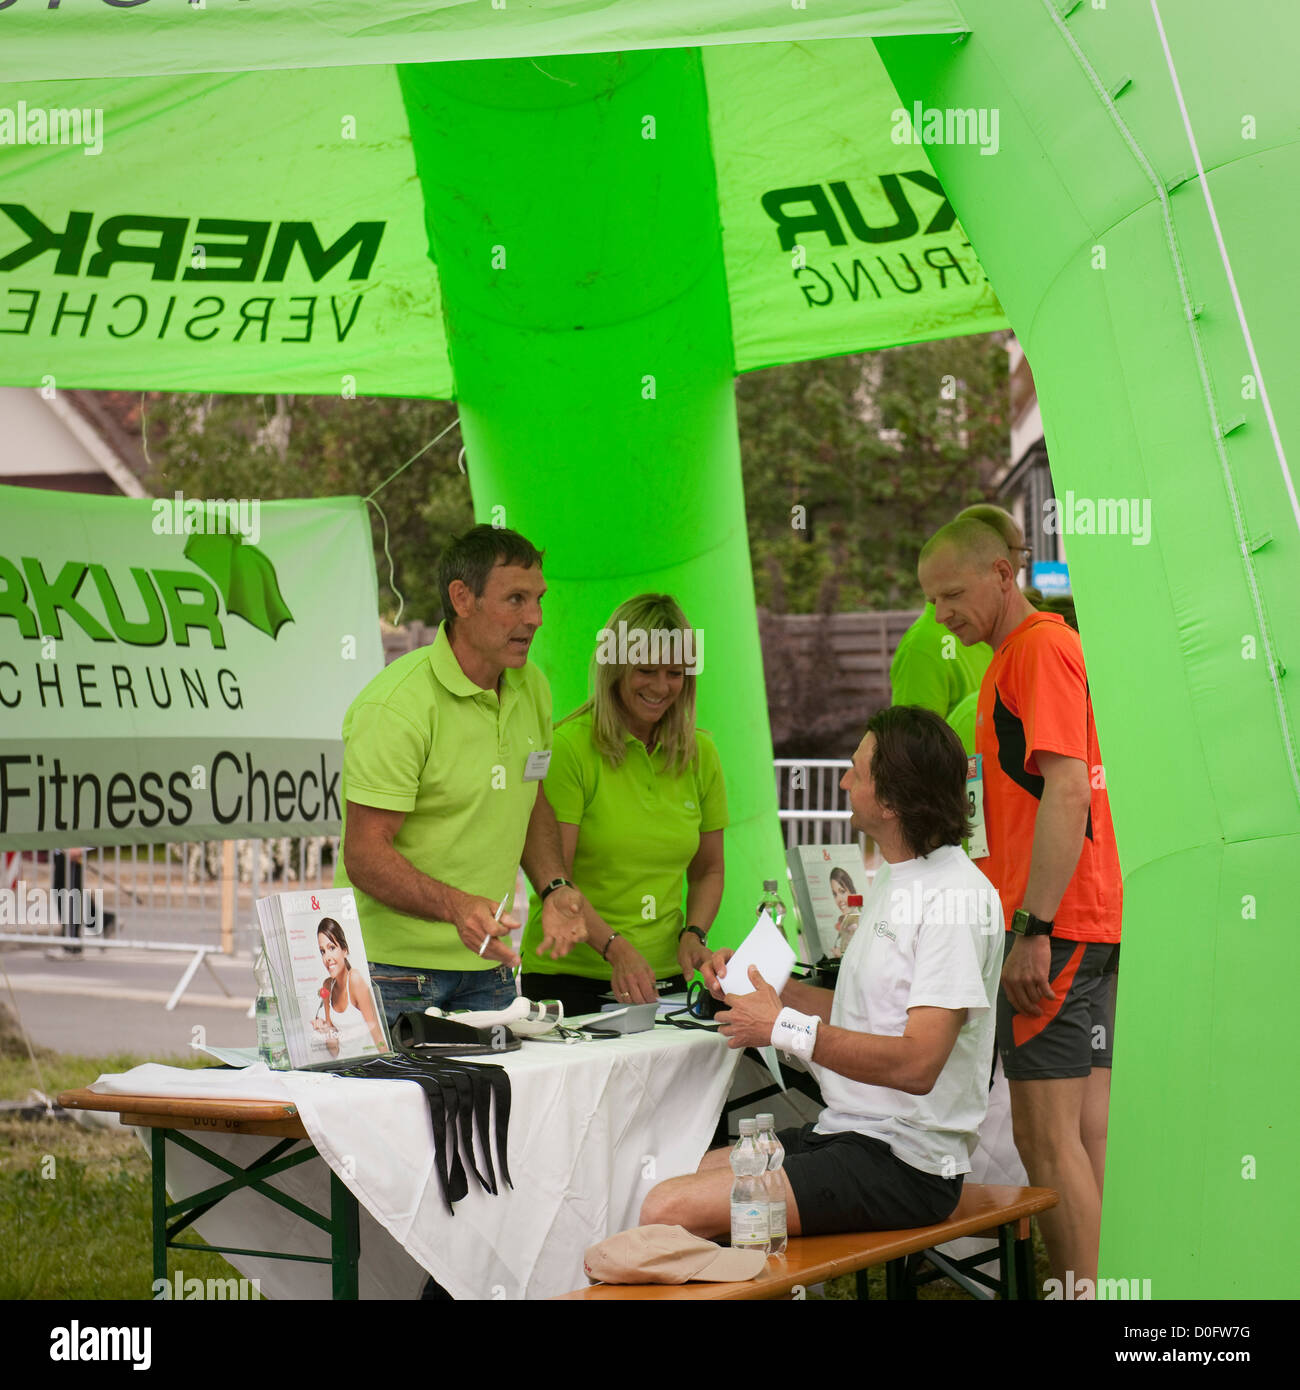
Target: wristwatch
{"points": [[552, 886], [1028, 925], [699, 931]]}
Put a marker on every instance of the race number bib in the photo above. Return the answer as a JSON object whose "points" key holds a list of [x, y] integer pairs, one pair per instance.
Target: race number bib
{"points": [[978, 844]]}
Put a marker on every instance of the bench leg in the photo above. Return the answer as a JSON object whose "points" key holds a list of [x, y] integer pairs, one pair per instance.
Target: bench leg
{"points": [[897, 1285], [158, 1148], [1016, 1257], [345, 1239], [863, 1286], [1026, 1274]]}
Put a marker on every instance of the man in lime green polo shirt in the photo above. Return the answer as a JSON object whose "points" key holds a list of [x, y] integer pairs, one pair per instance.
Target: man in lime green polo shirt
{"points": [[444, 755], [931, 666], [932, 669]]}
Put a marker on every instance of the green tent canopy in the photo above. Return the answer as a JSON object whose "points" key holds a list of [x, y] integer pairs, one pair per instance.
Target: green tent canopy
{"points": [[581, 220]]}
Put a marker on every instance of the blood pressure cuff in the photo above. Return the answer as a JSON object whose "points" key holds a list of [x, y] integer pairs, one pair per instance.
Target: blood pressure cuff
{"points": [[462, 1096]]}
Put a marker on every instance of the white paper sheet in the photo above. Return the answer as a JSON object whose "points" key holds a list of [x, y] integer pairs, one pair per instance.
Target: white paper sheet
{"points": [[765, 947], [232, 1056]]}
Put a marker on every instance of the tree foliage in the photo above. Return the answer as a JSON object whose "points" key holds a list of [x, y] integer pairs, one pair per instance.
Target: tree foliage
{"points": [[272, 447], [850, 463]]}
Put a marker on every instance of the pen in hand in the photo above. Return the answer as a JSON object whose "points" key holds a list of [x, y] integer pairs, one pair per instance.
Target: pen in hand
{"points": [[496, 917]]}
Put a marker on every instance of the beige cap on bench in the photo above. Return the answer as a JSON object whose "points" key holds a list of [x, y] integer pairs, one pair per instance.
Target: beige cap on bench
{"points": [[667, 1255]]}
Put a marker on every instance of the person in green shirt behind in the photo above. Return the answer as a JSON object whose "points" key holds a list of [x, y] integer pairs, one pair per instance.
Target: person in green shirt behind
{"points": [[639, 796], [931, 667]]}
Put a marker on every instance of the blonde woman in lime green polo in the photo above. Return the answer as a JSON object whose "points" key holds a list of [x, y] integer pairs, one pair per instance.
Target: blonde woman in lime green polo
{"points": [[639, 797]]}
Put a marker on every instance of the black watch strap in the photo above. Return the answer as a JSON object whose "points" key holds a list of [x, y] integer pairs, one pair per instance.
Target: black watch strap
{"points": [[1028, 925], [553, 885], [699, 931]]}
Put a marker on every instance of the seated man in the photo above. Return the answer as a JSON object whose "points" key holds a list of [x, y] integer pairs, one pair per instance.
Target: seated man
{"points": [[903, 1046]]}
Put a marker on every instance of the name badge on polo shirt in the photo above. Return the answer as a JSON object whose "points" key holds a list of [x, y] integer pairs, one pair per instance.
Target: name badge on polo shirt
{"points": [[535, 767], [977, 847]]}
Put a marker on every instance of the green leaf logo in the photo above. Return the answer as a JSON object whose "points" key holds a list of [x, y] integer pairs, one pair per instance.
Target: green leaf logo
{"points": [[245, 577]]}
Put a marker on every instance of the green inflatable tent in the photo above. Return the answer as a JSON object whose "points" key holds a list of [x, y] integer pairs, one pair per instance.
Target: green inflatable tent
{"points": [[582, 220]]}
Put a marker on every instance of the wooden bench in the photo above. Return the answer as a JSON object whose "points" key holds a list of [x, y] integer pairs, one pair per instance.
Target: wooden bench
{"points": [[989, 1210]]}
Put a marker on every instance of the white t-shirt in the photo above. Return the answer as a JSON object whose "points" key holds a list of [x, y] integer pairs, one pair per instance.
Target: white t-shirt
{"points": [[930, 934], [355, 1038]]}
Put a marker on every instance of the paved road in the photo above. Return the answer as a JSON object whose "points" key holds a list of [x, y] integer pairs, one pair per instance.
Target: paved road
{"points": [[113, 1000], [106, 1001]]}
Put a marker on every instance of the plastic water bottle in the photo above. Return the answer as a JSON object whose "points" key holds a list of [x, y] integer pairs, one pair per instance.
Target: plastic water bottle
{"points": [[774, 1184], [270, 1031], [852, 916], [771, 903], [748, 1193]]}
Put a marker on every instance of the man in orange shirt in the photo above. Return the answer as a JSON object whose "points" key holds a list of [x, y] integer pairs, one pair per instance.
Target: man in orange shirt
{"points": [[1052, 857]]}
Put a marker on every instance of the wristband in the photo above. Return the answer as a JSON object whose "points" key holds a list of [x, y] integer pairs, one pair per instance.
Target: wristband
{"points": [[1026, 924], [795, 1033]]}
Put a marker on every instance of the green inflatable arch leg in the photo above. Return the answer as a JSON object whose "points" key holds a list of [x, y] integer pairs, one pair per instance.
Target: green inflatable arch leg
{"points": [[1092, 224], [573, 218]]}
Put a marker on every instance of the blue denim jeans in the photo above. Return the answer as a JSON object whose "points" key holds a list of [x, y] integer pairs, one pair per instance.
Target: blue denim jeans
{"points": [[409, 989]]}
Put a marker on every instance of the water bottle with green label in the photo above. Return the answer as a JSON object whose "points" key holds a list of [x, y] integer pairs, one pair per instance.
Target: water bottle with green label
{"points": [[748, 1193], [771, 903], [774, 1182], [271, 1048]]}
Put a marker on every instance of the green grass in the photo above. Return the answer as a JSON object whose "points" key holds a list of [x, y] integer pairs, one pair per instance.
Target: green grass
{"points": [[944, 1289], [62, 1071], [75, 1202]]}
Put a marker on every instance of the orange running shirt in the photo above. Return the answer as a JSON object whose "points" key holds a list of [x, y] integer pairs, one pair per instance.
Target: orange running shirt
{"points": [[1034, 698]]}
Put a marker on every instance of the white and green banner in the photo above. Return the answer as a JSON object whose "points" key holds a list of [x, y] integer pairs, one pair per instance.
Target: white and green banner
{"points": [[177, 669], [285, 238]]}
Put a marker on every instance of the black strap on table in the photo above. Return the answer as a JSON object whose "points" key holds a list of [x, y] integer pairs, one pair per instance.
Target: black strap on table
{"points": [[464, 1088], [493, 1085], [460, 1096]]}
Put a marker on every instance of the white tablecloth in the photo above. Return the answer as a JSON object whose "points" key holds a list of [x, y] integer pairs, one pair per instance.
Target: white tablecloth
{"points": [[592, 1128]]}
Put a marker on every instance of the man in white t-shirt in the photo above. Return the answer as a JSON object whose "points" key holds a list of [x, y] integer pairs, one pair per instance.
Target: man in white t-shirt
{"points": [[903, 1046]]}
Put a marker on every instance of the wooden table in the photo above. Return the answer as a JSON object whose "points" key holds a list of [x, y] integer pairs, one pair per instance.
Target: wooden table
{"points": [[177, 1119]]}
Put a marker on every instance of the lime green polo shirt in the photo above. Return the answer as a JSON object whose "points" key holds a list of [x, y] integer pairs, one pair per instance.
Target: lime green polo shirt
{"points": [[638, 830], [920, 673], [424, 739], [961, 719]]}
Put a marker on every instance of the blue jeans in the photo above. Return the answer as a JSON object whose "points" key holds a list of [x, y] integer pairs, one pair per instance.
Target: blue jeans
{"points": [[409, 989]]}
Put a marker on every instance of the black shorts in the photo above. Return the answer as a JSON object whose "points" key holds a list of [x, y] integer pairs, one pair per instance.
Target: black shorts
{"points": [[847, 1182], [1076, 1030]]}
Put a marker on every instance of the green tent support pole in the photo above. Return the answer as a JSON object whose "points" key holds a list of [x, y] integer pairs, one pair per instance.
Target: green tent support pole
{"points": [[572, 214]]}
